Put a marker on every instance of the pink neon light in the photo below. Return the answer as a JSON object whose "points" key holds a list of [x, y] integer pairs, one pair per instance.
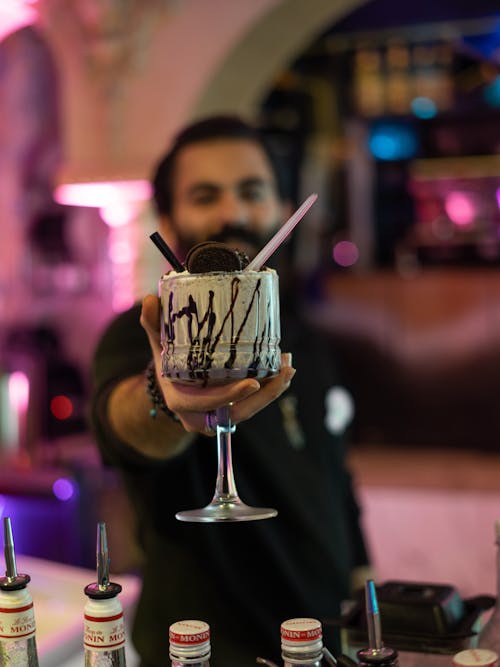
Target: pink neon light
{"points": [[15, 14], [19, 392], [460, 208], [119, 213], [102, 194]]}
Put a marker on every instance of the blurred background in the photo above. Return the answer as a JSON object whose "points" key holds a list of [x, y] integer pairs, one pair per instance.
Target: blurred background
{"points": [[389, 110]]}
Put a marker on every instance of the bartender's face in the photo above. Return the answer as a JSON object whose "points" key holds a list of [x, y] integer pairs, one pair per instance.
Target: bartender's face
{"points": [[225, 190]]}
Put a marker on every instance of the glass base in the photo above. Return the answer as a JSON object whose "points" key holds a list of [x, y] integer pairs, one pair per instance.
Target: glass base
{"points": [[225, 510]]}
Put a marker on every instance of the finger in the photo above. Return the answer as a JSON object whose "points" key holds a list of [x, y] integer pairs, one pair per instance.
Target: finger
{"points": [[245, 408], [269, 392], [193, 398], [196, 422]]}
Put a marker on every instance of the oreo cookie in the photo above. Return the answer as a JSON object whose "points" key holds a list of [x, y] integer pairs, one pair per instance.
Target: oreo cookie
{"points": [[213, 256]]}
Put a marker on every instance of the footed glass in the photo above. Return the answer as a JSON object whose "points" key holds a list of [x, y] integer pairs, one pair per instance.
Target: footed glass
{"points": [[216, 328]]}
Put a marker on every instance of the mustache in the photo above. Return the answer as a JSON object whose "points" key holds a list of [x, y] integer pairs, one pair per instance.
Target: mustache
{"points": [[237, 233]]}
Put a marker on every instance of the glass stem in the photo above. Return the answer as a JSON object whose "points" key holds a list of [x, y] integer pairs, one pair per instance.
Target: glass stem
{"points": [[225, 488]]}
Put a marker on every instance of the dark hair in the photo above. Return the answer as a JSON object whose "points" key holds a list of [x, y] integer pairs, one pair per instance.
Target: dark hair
{"points": [[214, 127]]}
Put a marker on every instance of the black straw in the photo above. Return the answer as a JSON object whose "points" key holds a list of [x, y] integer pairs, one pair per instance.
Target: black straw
{"points": [[166, 252]]}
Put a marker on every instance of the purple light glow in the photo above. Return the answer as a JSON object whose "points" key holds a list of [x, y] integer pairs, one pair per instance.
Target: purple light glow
{"points": [[63, 489], [44, 526], [345, 253]]}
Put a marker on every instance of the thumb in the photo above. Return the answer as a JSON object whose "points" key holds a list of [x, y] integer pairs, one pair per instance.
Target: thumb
{"points": [[150, 320]]}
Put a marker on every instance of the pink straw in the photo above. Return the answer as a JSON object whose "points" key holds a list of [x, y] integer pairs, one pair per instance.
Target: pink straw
{"points": [[281, 235]]}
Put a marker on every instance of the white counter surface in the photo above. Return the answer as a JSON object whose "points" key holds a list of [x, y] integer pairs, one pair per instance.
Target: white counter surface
{"points": [[59, 600]]}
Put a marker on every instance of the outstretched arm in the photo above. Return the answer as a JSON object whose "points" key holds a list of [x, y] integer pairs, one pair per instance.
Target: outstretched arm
{"points": [[129, 406]]}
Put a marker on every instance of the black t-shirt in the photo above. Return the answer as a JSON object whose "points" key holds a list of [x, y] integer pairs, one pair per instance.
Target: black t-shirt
{"points": [[244, 578]]}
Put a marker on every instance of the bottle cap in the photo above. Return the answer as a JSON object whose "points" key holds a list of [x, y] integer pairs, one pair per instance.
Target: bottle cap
{"points": [[475, 657], [301, 630], [301, 637], [189, 640]]}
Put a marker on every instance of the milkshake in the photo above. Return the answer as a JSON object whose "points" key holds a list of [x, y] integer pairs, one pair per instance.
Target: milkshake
{"points": [[219, 325]]}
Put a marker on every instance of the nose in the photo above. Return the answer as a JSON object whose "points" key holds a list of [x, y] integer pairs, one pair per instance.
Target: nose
{"points": [[233, 210]]}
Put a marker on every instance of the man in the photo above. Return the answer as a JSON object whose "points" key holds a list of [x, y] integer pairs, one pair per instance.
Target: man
{"points": [[218, 182]]}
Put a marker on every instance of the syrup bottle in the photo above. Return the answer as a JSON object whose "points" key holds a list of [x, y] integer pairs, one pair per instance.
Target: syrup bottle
{"points": [[302, 642], [104, 628], [189, 644], [17, 619]]}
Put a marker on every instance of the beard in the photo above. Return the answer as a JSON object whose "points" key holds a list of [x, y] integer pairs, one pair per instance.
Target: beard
{"points": [[240, 238]]}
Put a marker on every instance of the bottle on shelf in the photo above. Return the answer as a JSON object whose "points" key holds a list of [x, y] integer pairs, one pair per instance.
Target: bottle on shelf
{"points": [[104, 628], [17, 618], [376, 654], [489, 636], [189, 644]]}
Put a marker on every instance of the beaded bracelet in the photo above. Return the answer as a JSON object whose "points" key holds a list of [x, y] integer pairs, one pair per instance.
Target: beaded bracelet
{"points": [[156, 396]]}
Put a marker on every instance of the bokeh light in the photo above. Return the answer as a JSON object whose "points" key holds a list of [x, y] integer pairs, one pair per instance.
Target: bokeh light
{"points": [[61, 407], [423, 107], [63, 489], [392, 141], [102, 194], [491, 93], [19, 391], [345, 253], [460, 208], [118, 213]]}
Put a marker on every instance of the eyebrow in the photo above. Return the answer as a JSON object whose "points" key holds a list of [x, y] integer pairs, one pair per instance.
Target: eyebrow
{"points": [[252, 181], [203, 186]]}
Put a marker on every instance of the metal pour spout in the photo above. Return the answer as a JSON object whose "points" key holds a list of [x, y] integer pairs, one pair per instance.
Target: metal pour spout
{"points": [[376, 655], [103, 588], [10, 554], [373, 617], [102, 557], [12, 580]]}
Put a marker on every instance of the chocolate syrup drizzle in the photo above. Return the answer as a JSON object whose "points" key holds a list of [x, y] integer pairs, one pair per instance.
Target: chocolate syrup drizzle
{"points": [[202, 347]]}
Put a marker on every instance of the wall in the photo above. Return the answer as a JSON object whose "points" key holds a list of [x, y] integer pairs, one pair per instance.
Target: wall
{"points": [[124, 98]]}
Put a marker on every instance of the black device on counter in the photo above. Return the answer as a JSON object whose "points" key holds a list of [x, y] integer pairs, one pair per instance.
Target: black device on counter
{"points": [[416, 617]]}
